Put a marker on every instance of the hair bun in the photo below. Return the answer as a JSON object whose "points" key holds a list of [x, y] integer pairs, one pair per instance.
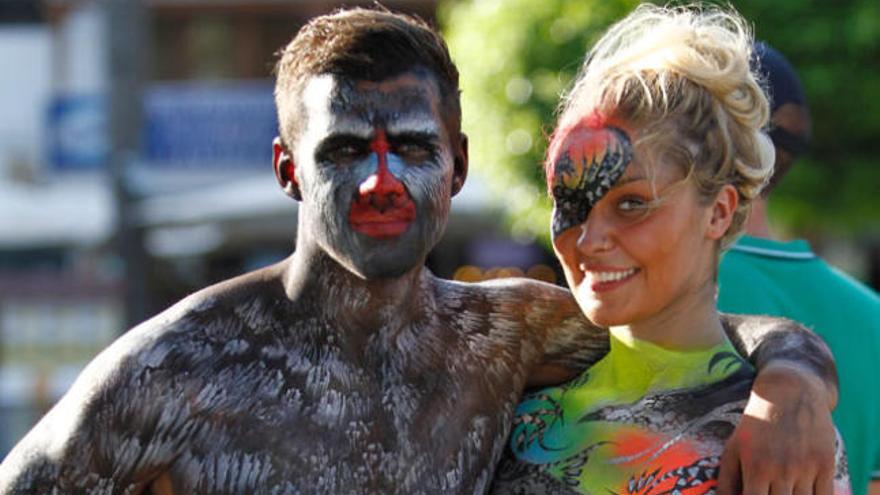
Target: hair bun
{"points": [[766, 150]]}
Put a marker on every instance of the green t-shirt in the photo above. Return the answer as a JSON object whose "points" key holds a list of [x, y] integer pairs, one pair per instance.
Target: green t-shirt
{"points": [[761, 276]]}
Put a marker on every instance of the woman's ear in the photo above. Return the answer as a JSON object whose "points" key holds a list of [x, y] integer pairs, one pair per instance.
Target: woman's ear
{"points": [[282, 163], [723, 208]]}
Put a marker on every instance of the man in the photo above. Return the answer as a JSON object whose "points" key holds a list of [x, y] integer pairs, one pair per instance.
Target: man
{"points": [[348, 368], [766, 276]]}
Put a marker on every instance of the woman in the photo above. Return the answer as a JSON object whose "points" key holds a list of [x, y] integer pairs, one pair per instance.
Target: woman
{"points": [[658, 152]]}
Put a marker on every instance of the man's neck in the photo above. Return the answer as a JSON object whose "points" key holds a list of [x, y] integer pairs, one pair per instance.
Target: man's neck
{"points": [[757, 223], [333, 292]]}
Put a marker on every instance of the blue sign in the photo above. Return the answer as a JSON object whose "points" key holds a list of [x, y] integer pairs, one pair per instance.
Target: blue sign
{"points": [[186, 125], [207, 125], [78, 138]]}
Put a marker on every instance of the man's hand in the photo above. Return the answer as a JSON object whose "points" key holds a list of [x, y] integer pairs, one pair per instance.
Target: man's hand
{"points": [[785, 442]]}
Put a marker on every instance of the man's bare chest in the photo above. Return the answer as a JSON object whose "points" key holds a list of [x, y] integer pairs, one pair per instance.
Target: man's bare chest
{"points": [[309, 420]]}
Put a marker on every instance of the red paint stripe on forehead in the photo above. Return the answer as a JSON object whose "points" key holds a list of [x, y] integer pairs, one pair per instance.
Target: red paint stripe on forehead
{"points": [[559, 138], [595, 120], [379, 144]]}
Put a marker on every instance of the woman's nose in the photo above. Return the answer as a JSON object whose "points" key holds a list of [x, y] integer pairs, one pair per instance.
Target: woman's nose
{"points": [[595, 236]]}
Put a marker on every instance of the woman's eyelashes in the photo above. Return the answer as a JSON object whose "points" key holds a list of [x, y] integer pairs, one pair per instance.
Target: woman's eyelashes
{"points": [[632, 204]]}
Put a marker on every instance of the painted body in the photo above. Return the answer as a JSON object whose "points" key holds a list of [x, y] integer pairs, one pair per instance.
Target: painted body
{"points": [[644, 420], [240, 389], [638, 244], [345, 369]]}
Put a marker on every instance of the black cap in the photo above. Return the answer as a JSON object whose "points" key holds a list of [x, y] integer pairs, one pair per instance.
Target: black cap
{"points": [[784, 86]]}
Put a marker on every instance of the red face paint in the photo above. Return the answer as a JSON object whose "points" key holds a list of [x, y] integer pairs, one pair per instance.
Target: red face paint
{"points": [[594, 121], [586, 164], [382, 208]]}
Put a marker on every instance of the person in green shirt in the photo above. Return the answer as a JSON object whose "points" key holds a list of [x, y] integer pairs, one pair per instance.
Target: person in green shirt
{"points": [[763, 275]]}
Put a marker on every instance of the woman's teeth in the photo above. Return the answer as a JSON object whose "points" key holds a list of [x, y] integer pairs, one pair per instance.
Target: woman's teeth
{"points": [[612, 276]]}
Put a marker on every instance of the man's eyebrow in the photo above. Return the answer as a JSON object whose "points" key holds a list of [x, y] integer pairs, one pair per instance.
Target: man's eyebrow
{"points": [[344, 136], [351, 127], [417, 123]]}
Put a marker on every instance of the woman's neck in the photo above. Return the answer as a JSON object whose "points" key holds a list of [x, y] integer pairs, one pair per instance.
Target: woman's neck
{"points": [[690, 322]]}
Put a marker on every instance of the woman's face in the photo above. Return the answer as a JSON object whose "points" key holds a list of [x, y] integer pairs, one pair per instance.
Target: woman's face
{"points": [[647, 244]]}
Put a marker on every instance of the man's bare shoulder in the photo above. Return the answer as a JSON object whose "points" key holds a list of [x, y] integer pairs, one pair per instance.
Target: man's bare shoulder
{"points": [[745, 321], [512, 294], [139, 402], [535, 309]]}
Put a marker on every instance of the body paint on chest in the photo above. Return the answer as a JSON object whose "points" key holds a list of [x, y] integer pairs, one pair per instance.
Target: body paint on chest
{"points": [[586, 161]]}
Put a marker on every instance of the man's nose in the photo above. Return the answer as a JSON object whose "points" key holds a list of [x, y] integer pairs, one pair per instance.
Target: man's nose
{"points": [[381, 182], [381, 188]]}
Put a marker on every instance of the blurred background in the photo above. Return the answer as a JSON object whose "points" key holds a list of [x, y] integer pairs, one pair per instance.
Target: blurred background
{"points": [[135, 154]]}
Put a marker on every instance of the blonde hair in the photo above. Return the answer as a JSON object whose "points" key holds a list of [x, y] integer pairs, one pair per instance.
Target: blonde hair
{"points": [[681, 76]]}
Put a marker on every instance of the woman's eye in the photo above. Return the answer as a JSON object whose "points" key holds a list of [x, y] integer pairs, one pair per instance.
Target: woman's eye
{"points": [[631, 204]]}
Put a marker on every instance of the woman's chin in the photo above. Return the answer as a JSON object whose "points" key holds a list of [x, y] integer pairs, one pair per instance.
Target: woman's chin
{"points": [[604, 317]]}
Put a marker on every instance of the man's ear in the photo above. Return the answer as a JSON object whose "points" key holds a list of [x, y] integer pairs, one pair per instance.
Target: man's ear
{"points": [[285, 170], [460, 167], [723, 209]]}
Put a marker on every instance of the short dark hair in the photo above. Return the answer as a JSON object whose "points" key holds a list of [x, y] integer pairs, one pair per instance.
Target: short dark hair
{"points": [[366, 45]]}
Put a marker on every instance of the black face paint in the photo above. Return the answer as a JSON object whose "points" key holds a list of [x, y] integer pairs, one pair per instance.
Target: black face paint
{"points": [[376, 167], [589, 163]]}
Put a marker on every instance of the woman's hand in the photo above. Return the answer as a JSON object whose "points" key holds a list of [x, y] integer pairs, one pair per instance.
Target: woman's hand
{"points": [[785, 442]]}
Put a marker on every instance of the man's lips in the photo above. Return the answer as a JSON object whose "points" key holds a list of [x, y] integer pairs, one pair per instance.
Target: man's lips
{"points": [[383, 223]]}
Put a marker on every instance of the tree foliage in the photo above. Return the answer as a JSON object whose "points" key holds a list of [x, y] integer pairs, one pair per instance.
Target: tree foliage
{"points": [[517, 56]]}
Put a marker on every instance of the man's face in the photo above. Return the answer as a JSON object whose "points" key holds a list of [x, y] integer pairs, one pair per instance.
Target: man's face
{"points": [[794, 121], [375, 166]]}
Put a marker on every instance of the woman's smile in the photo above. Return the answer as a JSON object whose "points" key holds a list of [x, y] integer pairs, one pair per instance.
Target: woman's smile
{"points": [[602, 279]]}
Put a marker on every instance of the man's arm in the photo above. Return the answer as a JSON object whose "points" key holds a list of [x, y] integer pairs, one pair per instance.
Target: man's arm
{"points": [[769, 341], [785, 442], [571, 343], [97, 438], [566, 341]]}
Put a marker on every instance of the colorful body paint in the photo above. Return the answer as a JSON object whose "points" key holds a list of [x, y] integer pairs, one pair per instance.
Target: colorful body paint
{"points": [[644, 420], [586, 163]]}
